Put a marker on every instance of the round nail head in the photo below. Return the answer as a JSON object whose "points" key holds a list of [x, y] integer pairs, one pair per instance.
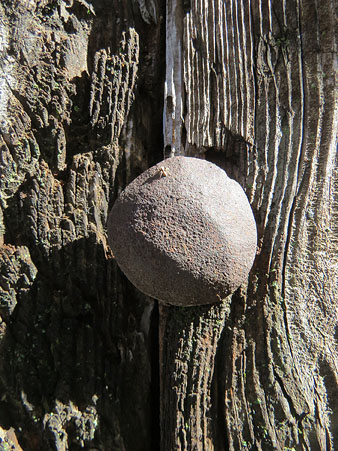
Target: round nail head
{"points": [[183, 232]]}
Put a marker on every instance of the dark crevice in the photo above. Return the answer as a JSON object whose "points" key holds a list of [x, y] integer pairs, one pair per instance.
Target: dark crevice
{"points": [[218, 392], [155, 379], [231, 157]]}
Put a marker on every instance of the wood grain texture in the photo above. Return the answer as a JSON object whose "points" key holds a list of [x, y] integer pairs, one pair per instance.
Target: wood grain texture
{"points": [[260, 101], [86, 90], [76, 337]]}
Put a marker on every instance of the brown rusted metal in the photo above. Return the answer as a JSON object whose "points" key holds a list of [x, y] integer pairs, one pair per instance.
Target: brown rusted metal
{"points": [[183, 232]]}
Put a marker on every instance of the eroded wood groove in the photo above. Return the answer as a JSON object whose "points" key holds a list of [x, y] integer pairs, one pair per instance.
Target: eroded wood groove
{"points": [[188, 342]]}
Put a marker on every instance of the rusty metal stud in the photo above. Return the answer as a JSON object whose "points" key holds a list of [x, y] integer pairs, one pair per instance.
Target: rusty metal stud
{"points": [[183, 232]]}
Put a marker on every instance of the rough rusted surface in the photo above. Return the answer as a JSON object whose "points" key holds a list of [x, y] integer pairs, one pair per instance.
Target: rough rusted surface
{"points": [[183, 232]]}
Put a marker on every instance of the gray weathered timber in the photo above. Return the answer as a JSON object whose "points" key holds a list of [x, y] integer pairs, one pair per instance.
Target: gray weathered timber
{"points": [[253, 87], [260, 96], [183, 232]]}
